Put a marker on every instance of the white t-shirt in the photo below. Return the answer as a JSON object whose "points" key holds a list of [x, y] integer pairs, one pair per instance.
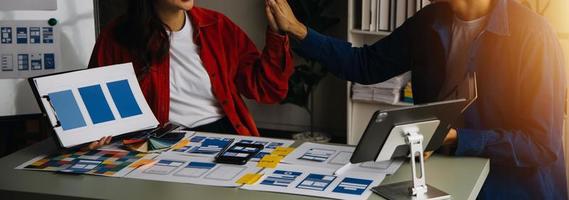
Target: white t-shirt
{"points": [[192, 102], [463, 35]]}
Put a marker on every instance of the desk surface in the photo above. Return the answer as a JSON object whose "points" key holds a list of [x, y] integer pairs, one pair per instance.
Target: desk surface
{"points": [[461, 177]]}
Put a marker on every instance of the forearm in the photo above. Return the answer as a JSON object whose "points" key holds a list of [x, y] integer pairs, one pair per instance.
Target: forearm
{"points": [[365, 65], [298, 31], [507, 148]]}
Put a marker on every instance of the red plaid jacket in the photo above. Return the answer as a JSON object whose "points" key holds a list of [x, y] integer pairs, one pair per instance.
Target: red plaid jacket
{"points": [[234, 65]]}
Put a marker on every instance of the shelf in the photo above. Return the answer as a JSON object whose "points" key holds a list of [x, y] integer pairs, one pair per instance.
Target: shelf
{"points": [[376, 33], [401, 103]]}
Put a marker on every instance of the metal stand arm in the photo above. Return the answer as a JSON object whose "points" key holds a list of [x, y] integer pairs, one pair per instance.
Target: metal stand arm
{"points": [[415, 140], [417, 188]]}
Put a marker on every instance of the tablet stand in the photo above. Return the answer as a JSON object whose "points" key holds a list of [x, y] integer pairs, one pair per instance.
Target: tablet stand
{"points": [[417, 188]]}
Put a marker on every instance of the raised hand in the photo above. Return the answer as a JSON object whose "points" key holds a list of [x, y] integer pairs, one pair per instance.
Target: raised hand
{"points": [[272, 23], [284, 18]]}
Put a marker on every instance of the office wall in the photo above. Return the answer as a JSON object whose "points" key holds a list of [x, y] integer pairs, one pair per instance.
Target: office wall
{"points": [[76, 19], [330, 97]]}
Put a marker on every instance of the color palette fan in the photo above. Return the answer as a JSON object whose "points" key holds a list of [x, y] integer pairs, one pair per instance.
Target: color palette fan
{"points": [[153, 143]]}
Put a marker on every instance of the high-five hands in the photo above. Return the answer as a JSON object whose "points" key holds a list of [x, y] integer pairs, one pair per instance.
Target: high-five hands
{"points": [[272, 23], [280, 15]]}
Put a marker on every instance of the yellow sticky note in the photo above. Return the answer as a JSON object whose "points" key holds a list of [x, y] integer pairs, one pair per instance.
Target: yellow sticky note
{"points": [[40, 162], [109, 173], [141, 163], [249, 179], [181, 144], [269, 161], [108, 162], [282, 151]]}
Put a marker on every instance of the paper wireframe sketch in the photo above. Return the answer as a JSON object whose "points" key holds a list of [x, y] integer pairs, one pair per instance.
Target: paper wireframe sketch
{"points": [[86, 105], [95, 162], [195, 170], [334, 157], [210, 144], [316, 181]]}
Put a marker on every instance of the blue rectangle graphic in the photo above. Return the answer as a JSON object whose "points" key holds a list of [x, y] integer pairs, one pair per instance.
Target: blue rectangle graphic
{"points": [[123, 98], [23, 62], [211, 146], [6, 35], [352, 186], [281, 178], [47, 35], [96, 104], [49, 61], [317, 182], [35, 35], [200, 165], [22, 35], [66, 110], [198, 138], [36, 61]]}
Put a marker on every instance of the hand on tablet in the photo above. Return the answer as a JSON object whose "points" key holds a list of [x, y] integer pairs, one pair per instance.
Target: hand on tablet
{"points": [[450, 140], [427, 154], [451, 137], [99, 143]]}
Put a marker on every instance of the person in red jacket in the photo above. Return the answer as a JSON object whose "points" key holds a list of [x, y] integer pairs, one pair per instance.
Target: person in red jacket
{"points": [[194, 64]]}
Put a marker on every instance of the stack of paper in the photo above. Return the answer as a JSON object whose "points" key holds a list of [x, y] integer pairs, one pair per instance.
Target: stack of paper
{"points": [[387, 15], [385, 92]]}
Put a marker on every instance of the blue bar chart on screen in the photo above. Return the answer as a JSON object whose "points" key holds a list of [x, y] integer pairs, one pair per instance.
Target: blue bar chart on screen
{"points": [[86, 105]]}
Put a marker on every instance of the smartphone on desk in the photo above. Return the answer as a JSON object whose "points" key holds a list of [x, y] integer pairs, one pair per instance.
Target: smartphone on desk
{"points": [[239, 153]]}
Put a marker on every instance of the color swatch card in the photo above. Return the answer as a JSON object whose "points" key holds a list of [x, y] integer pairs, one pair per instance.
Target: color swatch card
{"points": [[210, 144], [96, 162], [334, 157], [151, 143], [195, 170], [86, 105], [315, 181]]}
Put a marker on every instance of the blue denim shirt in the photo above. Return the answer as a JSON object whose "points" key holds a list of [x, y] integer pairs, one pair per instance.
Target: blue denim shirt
{"points": [[517, 120]]}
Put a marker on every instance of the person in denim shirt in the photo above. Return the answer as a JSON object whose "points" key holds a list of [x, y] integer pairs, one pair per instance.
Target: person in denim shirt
{"points": [[517, 120]]}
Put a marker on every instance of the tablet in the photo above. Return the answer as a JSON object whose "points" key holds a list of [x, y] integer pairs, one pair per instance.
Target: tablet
{"points": [[383, 122]]}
